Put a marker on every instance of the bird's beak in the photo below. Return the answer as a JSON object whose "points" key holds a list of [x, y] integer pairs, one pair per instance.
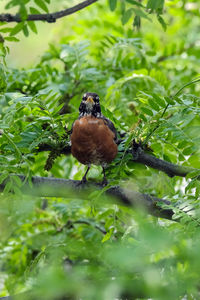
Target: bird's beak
{"points": [[90, 100]]}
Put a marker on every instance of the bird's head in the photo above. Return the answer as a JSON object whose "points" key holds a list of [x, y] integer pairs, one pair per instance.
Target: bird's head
{"points": [[90, 105]]}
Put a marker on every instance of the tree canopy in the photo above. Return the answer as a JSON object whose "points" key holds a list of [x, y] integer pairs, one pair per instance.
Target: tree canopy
{"points": [[137, 237]]}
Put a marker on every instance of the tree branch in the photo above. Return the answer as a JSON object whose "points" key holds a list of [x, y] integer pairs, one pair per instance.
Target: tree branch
{"points": [[139, 156], [56, 187], [50, 17], [156, 163]]}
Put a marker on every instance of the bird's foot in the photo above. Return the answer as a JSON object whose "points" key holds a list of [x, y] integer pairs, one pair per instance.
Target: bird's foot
{"points": [[104, 182], [83, 181]]}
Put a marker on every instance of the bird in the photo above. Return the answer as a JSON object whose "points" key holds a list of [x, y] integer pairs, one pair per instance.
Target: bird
{"points": [[93, 136]]}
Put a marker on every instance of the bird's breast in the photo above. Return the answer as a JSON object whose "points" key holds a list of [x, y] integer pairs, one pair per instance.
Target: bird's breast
{"points": [[92, 141]]}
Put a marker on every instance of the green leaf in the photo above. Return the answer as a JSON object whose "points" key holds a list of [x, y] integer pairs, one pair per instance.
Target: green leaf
{"points": [[193, 174], [23, 12], [8, 187], [34, 11], [25, 30], [126, 16], [135, 3], [17, 180], [191, 185], [112, 4], [162, 22], [147, 111], [5, 29], [3, 83], [155, 5], [11, 4], [108, 235], [42, 5], [32, 26], [141, 13], [137, 22], [129, 140], [141, 116], [153, 104], [123, 7], [169, 100], [159, 100], [17, 28], [182, 144], [189, 150], [3, 176], [11, 39]]}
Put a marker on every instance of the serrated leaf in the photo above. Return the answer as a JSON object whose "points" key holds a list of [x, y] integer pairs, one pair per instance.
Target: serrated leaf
{"points": [[112, 4], [42, 5], [126, 16]]}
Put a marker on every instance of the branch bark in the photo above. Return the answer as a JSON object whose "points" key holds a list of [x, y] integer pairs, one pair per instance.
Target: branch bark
{"points": [[50, 17], [156, 163], [56, 187], [139, 156]]}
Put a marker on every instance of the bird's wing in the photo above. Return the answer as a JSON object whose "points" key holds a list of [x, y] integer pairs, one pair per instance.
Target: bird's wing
{"points": [[112, 128]]}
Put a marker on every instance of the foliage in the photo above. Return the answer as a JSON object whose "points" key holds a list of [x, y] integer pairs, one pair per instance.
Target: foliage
{"points": [[85, 245]]}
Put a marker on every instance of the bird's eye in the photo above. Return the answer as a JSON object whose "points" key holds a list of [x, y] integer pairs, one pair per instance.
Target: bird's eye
{"points": [[84, 98], [97, 99]]}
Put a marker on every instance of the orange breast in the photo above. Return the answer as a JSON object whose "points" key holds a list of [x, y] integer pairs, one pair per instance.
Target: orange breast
{"points": [[92, 141]]}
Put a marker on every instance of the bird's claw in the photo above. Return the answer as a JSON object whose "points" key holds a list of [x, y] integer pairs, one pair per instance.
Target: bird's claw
{"points": [[104, 182], [82, 182]]}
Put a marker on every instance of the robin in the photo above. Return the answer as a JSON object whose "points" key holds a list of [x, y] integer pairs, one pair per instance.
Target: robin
{"points": [[94, 137]]}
